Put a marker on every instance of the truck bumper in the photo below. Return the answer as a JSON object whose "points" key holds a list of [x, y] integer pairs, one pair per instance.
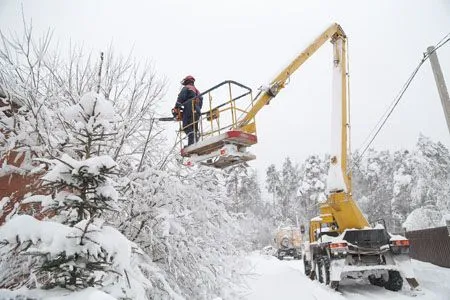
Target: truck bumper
{"points": [[293, 252], [402, 263]]}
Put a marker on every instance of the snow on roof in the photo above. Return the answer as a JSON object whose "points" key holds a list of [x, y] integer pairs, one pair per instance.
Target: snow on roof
{"points": [[316, 219]]}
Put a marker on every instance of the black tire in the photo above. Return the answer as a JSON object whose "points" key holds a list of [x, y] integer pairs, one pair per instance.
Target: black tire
{"points": [[320, 270], [377, 281], [280, 257], [326, 265], [334, 285], [313, 276], [395, 281], [307, 266]]}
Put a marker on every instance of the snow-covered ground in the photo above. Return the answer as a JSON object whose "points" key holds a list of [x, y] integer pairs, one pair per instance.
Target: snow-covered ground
{"points": [[275, 279]]}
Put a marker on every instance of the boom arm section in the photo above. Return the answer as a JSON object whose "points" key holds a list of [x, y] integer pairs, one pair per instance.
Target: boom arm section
{"points": [[280, 80], [340, 209], [340, 205]]}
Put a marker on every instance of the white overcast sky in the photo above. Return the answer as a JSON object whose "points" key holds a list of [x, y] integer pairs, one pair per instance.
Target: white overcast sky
{"points": [[250, 41]]}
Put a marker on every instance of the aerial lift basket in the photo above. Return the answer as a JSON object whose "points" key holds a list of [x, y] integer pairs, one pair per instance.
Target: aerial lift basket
{"points": [[221, 142]]}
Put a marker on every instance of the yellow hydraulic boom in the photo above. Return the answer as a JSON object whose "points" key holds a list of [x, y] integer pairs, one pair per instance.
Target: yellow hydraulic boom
{"points": [[279, 82], [340, 211]]}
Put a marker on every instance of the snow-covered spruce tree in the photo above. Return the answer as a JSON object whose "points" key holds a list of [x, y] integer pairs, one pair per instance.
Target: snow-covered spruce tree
{"points": [[430, 185], [243, 188], [373, 185], [391, 186], [273, 182], [254, 217], [402, 186], [283, 185], [313, 174], [75, 249], [432, 160], [234, 177], [288, 191]]}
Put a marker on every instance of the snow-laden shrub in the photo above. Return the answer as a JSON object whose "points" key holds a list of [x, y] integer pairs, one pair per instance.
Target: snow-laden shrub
{"points": [[428, 216], [179, 218]]}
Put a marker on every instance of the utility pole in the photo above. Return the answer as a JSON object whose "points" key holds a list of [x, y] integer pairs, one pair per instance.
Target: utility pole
{"points": [[440, 82]]}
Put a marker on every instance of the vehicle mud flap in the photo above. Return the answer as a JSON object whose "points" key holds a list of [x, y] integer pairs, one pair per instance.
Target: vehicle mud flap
{"points": [[412, 282], [405, 266], [336, 268]]}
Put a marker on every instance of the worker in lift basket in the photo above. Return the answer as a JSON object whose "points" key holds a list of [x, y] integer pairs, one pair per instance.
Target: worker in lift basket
{"points": [[191, 102]]}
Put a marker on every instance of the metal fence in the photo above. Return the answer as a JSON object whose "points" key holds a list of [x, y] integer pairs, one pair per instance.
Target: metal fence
{"points": [[430, 245]]}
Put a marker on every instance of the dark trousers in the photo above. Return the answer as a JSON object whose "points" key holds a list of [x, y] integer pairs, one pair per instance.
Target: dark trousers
{"points": [[192, 133]]}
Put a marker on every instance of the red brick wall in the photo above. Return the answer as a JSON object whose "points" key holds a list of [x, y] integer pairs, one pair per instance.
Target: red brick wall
{"points": [[15, 186]]}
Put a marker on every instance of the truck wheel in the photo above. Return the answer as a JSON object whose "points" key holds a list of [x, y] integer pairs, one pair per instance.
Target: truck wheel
{"points": [[327, 270], [334, 285], [320, 270], [307, 266], [395, 281], [377, 281]]}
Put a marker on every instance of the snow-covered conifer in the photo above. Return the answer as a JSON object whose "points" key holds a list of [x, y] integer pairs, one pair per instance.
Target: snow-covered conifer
{"points": [[74, 248], [312, 186]]}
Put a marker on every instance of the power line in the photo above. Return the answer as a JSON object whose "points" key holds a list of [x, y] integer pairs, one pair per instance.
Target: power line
{"points": [[382, 121]]}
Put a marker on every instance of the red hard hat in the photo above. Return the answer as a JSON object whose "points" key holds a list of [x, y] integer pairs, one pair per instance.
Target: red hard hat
{"points": [[188, 79]]}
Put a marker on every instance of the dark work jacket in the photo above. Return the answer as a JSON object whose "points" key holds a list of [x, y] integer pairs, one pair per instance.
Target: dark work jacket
{"points": [[187, 94]]}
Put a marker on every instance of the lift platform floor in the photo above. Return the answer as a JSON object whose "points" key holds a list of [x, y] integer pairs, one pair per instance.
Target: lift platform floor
{"points": [[208, 145]]}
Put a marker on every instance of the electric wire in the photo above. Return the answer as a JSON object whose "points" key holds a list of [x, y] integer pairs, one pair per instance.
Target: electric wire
{"points": [[393, 102], [382, 121]]}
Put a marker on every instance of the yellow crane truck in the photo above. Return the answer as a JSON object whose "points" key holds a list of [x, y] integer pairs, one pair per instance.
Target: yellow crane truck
{"points": [[341, 243]]}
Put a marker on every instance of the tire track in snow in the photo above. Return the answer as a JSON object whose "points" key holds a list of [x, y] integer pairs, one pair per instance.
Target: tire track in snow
{"points": [[285, 280]]}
